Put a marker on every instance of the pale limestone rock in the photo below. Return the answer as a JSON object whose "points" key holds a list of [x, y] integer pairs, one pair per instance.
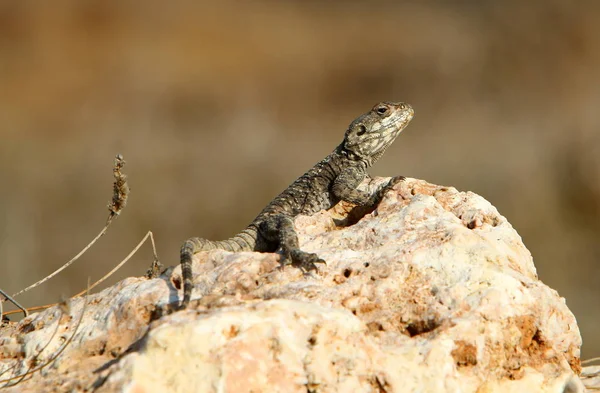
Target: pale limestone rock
{"points": [[433, 291]]}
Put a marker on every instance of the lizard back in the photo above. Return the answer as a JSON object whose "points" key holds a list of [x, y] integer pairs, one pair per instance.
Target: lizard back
{"points": [[332, 179]]}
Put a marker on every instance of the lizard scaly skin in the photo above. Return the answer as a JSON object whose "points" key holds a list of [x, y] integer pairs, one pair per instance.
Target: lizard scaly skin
{"points": [[331, 180]]}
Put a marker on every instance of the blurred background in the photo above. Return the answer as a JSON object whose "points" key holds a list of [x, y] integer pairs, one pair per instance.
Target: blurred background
{"points": [[218, 106]]}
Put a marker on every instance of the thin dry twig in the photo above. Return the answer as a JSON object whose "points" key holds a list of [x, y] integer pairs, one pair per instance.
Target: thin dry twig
{"points": [[30, 309], [156, 267], [119, 201], [7, 370], [13, 301], [590, 378], [107, 275], [588, 361], [56, 355], [36, 356], [66, 265]]}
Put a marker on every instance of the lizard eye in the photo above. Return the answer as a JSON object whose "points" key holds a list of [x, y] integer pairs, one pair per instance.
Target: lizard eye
{"points": [[361, 130], [382, 110]]}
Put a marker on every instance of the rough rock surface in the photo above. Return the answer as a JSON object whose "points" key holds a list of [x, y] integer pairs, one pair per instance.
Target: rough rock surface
{"points": [[433, 291]]}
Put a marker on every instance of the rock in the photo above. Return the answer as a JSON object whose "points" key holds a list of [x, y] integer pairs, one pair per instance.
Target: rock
{"points": [[433, 291]]}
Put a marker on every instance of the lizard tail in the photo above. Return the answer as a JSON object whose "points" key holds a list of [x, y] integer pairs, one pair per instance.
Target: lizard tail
{"points": [[187, 252], [188, 249], [244, 241]]}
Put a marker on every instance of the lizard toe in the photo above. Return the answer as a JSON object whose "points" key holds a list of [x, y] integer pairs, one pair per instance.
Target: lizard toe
{"points": [[395, 180], [305, 260]]}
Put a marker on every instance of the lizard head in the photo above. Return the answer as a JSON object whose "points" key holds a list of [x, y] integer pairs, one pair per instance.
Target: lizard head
{"points": [[370, 134]]}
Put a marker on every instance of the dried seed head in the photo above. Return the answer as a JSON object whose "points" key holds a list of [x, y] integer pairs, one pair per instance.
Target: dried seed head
{"points": [[120, 188]]}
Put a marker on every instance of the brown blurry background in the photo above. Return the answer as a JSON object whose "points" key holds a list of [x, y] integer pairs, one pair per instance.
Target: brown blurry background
{"points": [[219, 106]]}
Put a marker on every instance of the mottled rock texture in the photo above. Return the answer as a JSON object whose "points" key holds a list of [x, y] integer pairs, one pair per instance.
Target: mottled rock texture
{"points": [[433, 291]]}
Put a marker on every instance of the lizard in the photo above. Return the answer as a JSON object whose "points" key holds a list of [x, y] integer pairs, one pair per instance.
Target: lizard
{"points": [[333, 179]]}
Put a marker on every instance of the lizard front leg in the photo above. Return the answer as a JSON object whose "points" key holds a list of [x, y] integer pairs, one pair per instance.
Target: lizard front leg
{"points": [[345, 188], [279, 228]]}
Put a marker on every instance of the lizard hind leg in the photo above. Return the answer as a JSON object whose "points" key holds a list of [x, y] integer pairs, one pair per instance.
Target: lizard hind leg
{"points": [[279, 228]]}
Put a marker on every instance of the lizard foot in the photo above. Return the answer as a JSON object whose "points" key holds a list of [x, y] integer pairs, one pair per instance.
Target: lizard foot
{"points": [[393, 181], [304, 260]]}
